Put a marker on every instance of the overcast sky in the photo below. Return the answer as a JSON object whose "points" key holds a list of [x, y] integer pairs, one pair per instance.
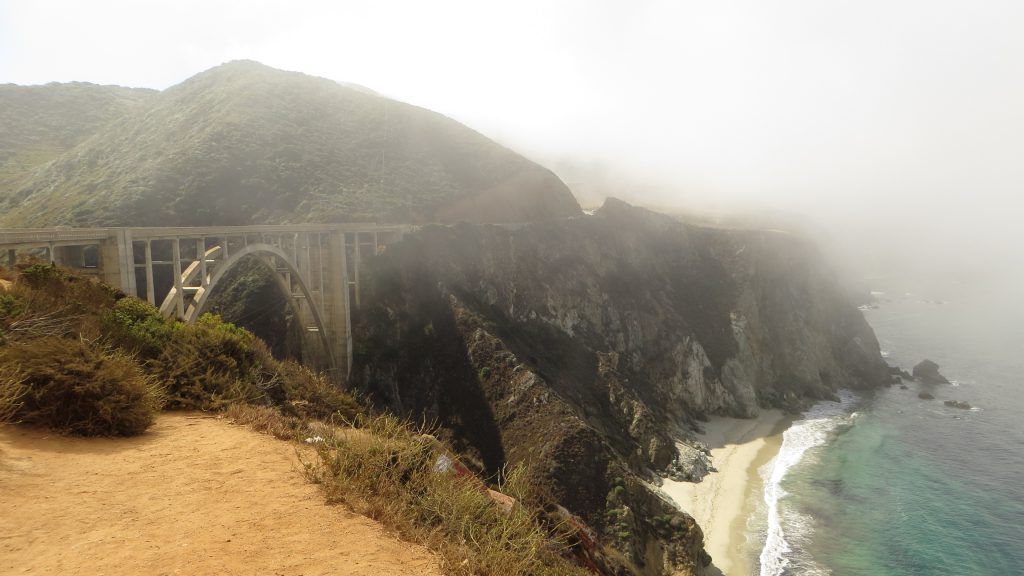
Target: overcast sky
{"points": [[864, 115]]}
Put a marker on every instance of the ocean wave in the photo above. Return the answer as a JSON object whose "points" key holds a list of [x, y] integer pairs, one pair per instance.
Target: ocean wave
{"points": [[784, 525]]}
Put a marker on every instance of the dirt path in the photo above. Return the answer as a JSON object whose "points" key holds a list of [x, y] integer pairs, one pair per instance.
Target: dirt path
{"points": [[194, 495]]}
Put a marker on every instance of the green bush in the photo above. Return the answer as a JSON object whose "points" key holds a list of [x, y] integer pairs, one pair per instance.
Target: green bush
{"points": [[41, 275], [211, 364], [10, 305], [137, 326], [75, 387]]}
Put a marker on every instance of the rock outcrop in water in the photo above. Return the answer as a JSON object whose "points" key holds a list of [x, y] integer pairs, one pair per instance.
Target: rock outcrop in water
{"points": [[928, 372], [591, 346]]}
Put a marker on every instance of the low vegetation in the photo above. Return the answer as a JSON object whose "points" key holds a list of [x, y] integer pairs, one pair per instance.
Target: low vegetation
{"points": [[12, 389], [80, 388], [81, 358], [409, 481]]}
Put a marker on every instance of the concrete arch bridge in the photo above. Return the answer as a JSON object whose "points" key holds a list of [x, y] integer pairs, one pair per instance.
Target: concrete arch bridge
{"points": [[316, 267]]}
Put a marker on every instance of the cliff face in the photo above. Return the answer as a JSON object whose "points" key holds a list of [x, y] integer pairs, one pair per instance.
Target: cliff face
{"points": [[591, 346]]}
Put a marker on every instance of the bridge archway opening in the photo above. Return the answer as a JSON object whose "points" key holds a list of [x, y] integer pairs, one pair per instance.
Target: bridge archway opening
{"points": [[269, 264]]}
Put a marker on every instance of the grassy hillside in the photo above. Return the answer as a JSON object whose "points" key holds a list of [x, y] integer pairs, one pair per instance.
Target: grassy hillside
{"points": [[39, 123], [244, 143]]}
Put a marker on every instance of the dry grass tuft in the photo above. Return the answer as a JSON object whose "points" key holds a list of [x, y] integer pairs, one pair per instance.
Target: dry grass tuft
{"points": [[266, 419], [12, 390]]}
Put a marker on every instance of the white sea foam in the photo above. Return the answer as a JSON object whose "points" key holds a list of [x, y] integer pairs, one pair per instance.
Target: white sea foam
{"points": [[808, 432]]}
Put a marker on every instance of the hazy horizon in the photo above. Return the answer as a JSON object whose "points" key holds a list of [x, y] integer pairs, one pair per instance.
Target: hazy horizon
{"points": [[886, 126]]}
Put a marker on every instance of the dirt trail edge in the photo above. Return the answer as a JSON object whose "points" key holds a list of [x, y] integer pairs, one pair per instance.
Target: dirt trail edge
{"points": [[194, 495]]}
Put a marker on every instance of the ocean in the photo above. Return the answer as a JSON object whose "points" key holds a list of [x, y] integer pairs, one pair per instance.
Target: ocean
{"points": [[884, 483]]}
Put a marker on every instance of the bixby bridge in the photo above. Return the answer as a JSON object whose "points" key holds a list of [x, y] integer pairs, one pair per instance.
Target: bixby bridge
{"points": [[316, 267]]}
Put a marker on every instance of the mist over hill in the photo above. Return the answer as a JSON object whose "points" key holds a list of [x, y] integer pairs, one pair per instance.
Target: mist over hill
{"points": [[244, 143]]}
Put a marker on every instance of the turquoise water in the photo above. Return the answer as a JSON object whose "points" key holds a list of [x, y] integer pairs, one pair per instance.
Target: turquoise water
{"points": [[889, 484]]}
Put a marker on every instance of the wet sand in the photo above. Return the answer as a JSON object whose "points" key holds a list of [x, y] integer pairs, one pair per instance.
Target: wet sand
{"points": [[725, 499]]}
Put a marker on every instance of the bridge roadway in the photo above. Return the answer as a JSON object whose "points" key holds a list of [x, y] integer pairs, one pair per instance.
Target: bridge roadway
{"points": [[317, 267]]}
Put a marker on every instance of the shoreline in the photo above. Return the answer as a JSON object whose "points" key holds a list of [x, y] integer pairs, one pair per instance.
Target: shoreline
{"points": [[723, 502]]}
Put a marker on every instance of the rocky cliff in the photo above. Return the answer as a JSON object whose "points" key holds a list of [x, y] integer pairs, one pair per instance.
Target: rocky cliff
{"points": [[592, 346]]}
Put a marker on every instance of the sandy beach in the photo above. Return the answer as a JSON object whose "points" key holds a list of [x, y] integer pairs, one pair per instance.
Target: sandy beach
{"points": [[723, 501]]}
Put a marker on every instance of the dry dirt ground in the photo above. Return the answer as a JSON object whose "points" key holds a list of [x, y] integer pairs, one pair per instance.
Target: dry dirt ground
{"points": [[194, 495]]}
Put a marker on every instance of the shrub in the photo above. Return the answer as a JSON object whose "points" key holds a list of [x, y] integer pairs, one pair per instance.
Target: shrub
{"points": [[310, 394], [11, 305], [40, 275], [75, 387], [137, 326], [209, 365]]}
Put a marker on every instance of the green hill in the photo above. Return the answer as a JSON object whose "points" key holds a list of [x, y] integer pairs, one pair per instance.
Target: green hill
{"points": [[244, 143], [39, 123]]}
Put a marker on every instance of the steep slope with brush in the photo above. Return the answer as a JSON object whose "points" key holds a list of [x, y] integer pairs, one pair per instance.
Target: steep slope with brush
{"points": [[244, 143]]}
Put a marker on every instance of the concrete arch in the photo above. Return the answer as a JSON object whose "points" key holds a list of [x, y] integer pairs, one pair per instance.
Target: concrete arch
{"points": [[260, 252]]}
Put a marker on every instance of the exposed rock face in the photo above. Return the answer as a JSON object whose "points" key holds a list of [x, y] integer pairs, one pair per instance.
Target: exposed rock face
{"points": [[928, 372], [592, 345]]}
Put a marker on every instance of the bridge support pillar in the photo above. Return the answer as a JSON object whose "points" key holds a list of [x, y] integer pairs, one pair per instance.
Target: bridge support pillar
{"points": [[117, 261], [337, 311]]}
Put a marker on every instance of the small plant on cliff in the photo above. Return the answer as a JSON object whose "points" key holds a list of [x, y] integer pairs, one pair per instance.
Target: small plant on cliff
{"points": [[75, 387], [40, 275]]}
